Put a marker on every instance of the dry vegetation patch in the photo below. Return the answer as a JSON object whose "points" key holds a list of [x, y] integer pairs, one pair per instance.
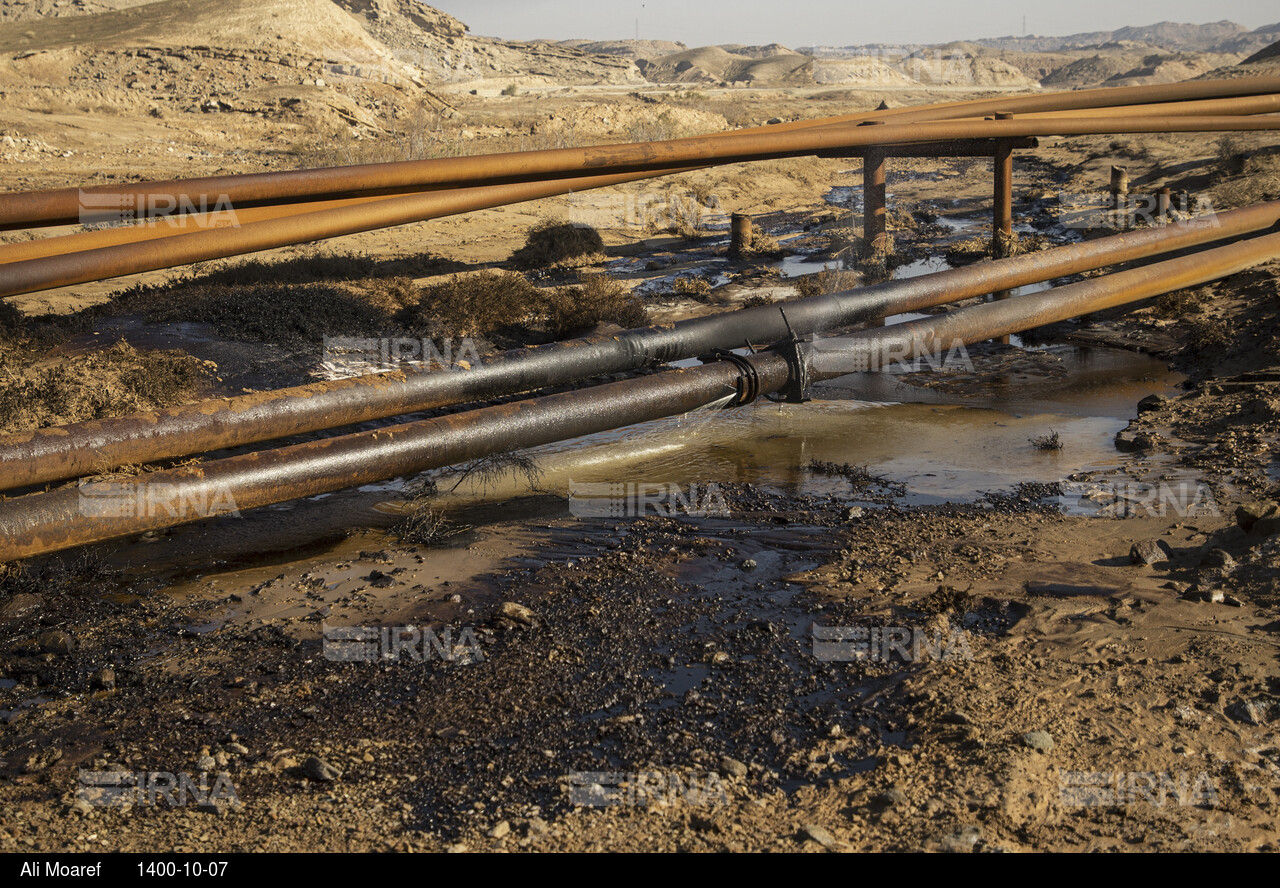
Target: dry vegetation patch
{"points": [[113, 382], [553, 243]]}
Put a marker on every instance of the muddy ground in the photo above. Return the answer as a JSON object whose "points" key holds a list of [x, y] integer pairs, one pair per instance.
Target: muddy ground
{"points": [[680, 669]]}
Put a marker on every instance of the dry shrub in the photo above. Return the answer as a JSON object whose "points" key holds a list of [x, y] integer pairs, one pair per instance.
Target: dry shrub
{"points": [[284, 314], [1182, 302], [552, 243], [1231, 155], [322, 266], [766, 246], [971, 249], [597, 299], [693, 287], [424, 526], [492, 304], [1051, 441], [829, 280], [113, 382], [483, 304], [900, 220], [1259, 182]]}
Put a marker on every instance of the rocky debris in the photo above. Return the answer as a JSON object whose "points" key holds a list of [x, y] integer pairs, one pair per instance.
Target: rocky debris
{"points": [[814, 833], [1259, 519], [316, 768], [24, 604], [1149, 552], [1219, 558], [963, 841], [1255, 710], [1041, 741], [104, 679], [514, 615], [1152, 402], [56, 642], [1209, 596], [731, 767], [1128, 441]]}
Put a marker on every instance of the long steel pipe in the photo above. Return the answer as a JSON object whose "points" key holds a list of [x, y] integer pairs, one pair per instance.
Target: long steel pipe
{"points": [[75, 516], [115, 261], [178, 222], [53, 454], [63, 206]]}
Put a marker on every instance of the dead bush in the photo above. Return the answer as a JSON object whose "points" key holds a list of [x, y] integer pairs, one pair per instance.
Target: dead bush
{"points": [[693, 287], [597, 299], [480, 305], [829, 280], [1180, 303], [37, 394], [552, 243], [290, 315]]}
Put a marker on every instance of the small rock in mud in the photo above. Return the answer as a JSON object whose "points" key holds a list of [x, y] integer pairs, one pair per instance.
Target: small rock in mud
{"points": [[1209, 596], [319, 770], [518, 614], [1149, 552], [893, 797], [1041, 741], [961, 842], [748, 564], [1152, 402], [500, 831], [1219, 558], [24, 604], [1139, 443], [104, 679], [55, 641], [1256, 711], [205, 762], [1248, 515], [731, 767], [817, 834]]}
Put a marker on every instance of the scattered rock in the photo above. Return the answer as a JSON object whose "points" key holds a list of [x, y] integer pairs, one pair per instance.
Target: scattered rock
{"points": [[893, 797], [205, 762], [1152, 402], [817, 834], [517, 614], [1255, 711], [748, 564], [1219, 558], [319, 770], [57, 642], [502, 830], [1137, 443], [961, 842], [731, 767], [1041, 741], [1149, 552], [104, 679], [1250, 514], [24, 604]]}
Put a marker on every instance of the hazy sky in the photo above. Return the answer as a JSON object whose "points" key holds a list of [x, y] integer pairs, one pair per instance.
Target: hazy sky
{"points": [[832, 22]]}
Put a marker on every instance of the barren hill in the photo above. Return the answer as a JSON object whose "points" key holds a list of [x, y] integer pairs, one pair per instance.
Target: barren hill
{"points": [[313, 27], [712, 64]]}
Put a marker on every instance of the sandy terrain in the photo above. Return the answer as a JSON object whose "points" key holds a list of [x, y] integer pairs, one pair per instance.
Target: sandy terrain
{"points": [[1066, 693]]}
